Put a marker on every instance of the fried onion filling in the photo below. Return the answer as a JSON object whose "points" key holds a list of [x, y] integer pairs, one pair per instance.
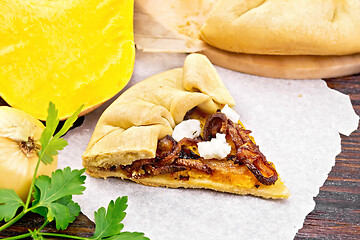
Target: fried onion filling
{"points": [[173, 156]]}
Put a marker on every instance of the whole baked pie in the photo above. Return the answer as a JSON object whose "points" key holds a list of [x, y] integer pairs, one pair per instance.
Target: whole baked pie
{"points": [[278, 27]]}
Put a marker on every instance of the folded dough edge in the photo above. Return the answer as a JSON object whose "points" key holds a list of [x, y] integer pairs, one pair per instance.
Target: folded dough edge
{"points": [[131, 126]]}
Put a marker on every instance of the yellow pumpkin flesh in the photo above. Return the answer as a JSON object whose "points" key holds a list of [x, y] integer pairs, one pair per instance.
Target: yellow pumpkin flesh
{"points": [[70, 52]]}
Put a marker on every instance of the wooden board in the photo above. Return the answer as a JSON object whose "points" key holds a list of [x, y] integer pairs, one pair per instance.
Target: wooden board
{"points": [[290, 67]]}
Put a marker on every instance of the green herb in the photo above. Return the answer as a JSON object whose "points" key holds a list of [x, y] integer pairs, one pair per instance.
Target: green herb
{"points": [[52, 196]]}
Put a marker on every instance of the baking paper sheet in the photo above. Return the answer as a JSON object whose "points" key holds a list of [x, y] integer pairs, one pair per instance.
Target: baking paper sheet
{"points": [[296, 123]]}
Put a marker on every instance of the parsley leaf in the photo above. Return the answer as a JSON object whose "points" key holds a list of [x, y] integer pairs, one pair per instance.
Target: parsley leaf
{"points": [[60, 213], [74, 208], [69, 122], [52, 196], [52, 149], [107, 223], [62, 183], [50, 145], [9, 204], [64, 211], [128, 236], [52, 121]]}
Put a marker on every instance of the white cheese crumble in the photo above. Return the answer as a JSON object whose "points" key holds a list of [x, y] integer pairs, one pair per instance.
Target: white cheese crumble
{"points": [[188, 128], [230, 113], [216, 148]]}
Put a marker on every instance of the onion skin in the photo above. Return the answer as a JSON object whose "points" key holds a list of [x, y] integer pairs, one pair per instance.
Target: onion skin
{"points": [[19, 145]]}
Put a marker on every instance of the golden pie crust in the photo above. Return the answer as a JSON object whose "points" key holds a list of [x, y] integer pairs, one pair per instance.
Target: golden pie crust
{"points": [[277, 27]]}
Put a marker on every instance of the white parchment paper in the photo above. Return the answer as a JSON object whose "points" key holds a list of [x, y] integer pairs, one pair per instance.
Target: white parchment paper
{"points": [[296, 123]]}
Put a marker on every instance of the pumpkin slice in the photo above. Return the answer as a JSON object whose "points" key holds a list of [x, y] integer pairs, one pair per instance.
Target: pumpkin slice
{"points": [[70, 52]]}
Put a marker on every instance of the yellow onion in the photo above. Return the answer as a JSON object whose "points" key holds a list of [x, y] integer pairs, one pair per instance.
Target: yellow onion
{"points": [[19, 145]]}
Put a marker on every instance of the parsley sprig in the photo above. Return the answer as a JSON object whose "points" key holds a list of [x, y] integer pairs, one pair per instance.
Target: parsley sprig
{"points": [[52, 196]]}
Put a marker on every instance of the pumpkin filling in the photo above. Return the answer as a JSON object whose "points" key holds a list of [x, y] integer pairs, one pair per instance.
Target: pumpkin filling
{"points": [[244, 166]]}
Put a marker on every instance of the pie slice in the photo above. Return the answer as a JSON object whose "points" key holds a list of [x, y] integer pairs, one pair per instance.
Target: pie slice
{"points": [[177, 129]]}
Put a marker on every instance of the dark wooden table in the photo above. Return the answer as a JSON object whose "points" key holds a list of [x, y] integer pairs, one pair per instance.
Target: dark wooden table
{"points": [[337, 211]]}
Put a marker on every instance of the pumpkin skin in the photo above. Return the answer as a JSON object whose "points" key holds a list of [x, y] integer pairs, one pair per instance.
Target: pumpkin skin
{"points": [[70, 52]]}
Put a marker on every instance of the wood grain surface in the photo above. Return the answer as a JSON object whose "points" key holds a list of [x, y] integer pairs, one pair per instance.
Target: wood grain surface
{"points": [[337, 211]]}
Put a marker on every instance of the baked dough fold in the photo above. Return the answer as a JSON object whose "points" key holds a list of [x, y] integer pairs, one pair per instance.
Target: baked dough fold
{"points": [[131, 126], [278, 27]]}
